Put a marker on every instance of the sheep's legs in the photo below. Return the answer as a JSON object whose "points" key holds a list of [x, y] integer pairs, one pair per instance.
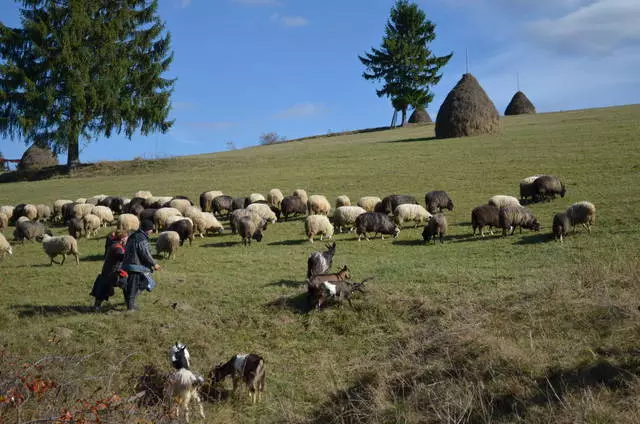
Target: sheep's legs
{"points": [[199, 401], [64, 256], [77, 258]]}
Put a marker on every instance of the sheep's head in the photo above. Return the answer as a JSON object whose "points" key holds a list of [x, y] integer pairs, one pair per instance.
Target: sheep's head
{"points": [[43, 237], [426, 234], [563, 190], [450, 205], [257, 235]]}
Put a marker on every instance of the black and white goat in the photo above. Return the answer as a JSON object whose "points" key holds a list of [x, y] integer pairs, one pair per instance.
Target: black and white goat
{"points": [[247, 367], [182, 385], [340, 290], [320, 262]]}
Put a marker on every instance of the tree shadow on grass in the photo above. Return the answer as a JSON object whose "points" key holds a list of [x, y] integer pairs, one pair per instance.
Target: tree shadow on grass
{"points": [[288, 242], [286, 283], [410, 140], [28, 311], [536, 238], [298, 303]]}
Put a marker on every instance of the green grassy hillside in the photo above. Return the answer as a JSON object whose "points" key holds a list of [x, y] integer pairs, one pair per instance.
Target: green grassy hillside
{"points": [[475, 330]]}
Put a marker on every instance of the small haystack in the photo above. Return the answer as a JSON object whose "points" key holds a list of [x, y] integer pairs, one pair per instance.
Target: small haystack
{"points": [[519, 105], [36, 157], [420, 116], [467, 111]]}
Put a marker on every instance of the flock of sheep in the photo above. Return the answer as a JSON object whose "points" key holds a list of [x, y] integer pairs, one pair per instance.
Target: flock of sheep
{"points": [[178, 219]]}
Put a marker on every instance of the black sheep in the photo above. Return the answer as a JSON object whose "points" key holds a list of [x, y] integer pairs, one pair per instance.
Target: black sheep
{"points": [[483, 216], [184, 228], [390, 203], [438, 200], [292, 205], [377, 222]]}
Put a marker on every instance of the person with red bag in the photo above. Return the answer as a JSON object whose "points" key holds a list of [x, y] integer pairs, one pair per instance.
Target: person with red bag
{"points": [[111, 269]]}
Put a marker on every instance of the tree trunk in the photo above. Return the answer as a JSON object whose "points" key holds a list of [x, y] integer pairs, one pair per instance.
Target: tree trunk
{"points": [[404, 116], [73, 151], [393, 120]]}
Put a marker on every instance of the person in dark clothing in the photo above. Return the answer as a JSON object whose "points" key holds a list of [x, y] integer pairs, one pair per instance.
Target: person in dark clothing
{"points": [[108, 278], [137, 262]]}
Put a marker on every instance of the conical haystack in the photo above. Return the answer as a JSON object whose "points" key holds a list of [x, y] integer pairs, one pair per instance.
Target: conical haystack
{"points": [[519, 104], [420, 116], [36, 157], [467, 111]]}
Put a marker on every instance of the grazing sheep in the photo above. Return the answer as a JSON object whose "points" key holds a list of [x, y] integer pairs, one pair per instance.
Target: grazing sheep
{"points": [[60, 245], [582, 213], [437, 200], [256, 197], [147, 213], [144, 194], [342, 200], [410, 213], [134, 202], [377, 222], [302, 194], [483, 216], [80, 200], [320, 262], [22, 219], [44, 212], [82, 209], [249, 368], [274, 197], [318, 224], [222, 204], [115, 204], [206, 199], [180, 204], [75, 227], [502, 201], [517, 216], [240, 213], [546, 187], [369, 203], [95, 200], [184, 228], [318, 205], [7, 210], [240, 203], [5, 247], [4, 221], [436, 227], [205, 223], [161, 215], [30, 230], [171, 219], [390, 203], [526, 186], [247, 229], [57, 208], [345, 216], [104, 213], [192, 212], [28, 210], [168, 242], [91, 225], [160, 202], [293, 205], [263, 211], [561, 226], [128, 222]]}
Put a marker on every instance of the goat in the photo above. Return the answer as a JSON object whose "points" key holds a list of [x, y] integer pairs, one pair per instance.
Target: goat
{"points": [[182, 384], [248, 367], [341, 290], [320, 262], [315, 287]]}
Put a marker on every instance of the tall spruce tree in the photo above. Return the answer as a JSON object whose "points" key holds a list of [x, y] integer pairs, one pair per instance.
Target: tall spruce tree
{"points": [[79, 69], [404, 61]]}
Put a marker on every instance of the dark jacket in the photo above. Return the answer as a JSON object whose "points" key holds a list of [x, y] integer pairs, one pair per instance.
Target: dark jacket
{"points": [[137, 252], [108, 278]]}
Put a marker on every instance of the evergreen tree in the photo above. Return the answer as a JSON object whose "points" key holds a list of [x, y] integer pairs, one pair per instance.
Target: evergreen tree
{"points": [[404, 61], [77, 69]]}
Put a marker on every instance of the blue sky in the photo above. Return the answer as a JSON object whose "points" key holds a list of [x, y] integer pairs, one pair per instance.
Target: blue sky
{"points": [[245, 67]]}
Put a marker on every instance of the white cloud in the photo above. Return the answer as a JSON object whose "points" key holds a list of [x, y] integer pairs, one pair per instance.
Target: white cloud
{"points": [[289, 21], [259, 2], [185, 3], [301, 110]]}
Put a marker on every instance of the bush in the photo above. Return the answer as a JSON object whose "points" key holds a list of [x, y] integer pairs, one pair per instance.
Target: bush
{"points": [[271, 138]]}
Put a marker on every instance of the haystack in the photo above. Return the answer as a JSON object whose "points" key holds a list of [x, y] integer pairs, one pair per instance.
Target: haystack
{"points": [[467, 111], [420, 116], [519, 105], [36, 157]]}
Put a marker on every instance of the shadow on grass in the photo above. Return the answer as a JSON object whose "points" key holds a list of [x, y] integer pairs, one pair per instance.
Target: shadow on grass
{"points": [[286, 283], [28, 311], [288, 242], [415, 242], [298, 303], [92, 258], [223, 244], [410, 140], [293, 218], [536, 238]]}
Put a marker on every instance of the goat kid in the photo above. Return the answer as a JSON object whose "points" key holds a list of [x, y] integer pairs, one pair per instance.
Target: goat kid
{"points": [[315, 287], [341, 290], [247, 367], [182, 385]]}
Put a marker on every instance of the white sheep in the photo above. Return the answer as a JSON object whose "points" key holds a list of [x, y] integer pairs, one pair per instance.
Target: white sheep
{"points": [[345, 216], [301, 194], [274, 197], [82, 209], [157, 201], [410, 213], [318, 205], [240, 213], [31, 212], [60, 245], [256, 197], [205, 223], [104, 213], [206, 199], [44, 212], [168, 242], [181, 204], [128, 222], [5, 247], [192, 211], [162, 214], [502, 201], [171, 219], [94, 200], [22, 219], [318, 224], [582, 213], [57, 207], [80, 200], [7, 210], [263, 211], [92, 224], [343, 200], [368, 203], [144, 194], [4, 221]]}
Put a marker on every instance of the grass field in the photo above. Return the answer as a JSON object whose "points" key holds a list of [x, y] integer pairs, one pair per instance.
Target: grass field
{"points": [[476, 330]]}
